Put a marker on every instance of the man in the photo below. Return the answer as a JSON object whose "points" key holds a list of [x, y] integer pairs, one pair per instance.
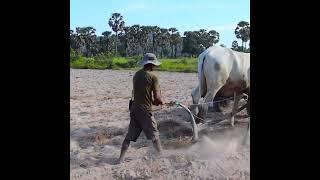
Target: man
{"points": [[145, 83]]}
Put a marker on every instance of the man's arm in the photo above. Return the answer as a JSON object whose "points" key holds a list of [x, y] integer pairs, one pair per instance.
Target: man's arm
{"points": [[156, 92]]}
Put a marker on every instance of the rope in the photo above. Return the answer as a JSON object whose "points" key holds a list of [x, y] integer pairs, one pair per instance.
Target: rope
{"points": [[225, 99], [167, 105], [232, 113], [241, 94], [177, 103], [213, 102], [197, 117]]}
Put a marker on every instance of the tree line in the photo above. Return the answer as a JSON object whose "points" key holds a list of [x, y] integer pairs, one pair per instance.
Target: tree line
{"points": [[136, 40]]}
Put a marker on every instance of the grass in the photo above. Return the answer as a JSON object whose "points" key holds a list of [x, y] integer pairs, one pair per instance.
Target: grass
{"points": [[88, 63], [178, 65], [104, 62]]}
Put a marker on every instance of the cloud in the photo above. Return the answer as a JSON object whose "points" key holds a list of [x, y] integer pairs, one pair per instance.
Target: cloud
{"points": [[202, 7], [185, 7], [220, 28], [149, 6], [225, 27], [137, 6]]}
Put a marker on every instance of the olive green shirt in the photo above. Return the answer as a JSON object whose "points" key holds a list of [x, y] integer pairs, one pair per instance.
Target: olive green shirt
{"points": [[144, 83]]}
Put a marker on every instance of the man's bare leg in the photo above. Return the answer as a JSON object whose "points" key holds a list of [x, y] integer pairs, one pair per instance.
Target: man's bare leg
{"points": [[157, 145], [124, 148]]}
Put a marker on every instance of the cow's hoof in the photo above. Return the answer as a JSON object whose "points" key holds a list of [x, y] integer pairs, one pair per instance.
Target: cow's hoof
{"points": [[232, 122], [199, 121], [198, 118]]}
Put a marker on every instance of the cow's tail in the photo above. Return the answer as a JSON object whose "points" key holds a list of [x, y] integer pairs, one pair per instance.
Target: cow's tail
{"points": [[201, 76]]}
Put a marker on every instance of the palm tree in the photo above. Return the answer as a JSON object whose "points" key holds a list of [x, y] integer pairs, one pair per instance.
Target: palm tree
{"points": [[163, 40], [78, 41], [147, 31], [133, 39], [191, 43], [242, 32], [125, 36], [156, 32], [235, 45], [142, 38], [172, 34], [106, 40], [202, 37], [87, 38], [214, 36], [117, 24], [72, 40], [176, 40]]}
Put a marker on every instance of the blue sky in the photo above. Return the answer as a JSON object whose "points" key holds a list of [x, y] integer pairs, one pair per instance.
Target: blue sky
{"points": [[185, 15]]}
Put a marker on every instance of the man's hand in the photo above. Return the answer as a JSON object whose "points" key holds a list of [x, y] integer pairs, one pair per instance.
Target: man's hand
{"points": [[157, 99], [157, 102]]}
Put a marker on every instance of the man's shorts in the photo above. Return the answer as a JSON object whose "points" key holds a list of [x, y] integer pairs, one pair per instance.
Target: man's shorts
{"points": [[142, 121]]}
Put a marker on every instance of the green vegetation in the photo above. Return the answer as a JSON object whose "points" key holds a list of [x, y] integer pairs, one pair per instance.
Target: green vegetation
{"points": [[124, 48], [179, 65], [106, 62]]}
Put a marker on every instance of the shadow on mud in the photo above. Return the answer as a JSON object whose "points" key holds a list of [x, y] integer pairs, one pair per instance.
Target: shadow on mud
{"points": [[97, 136]]}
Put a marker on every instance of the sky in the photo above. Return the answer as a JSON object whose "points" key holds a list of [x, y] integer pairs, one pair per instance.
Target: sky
{"points": [[185, 15]]}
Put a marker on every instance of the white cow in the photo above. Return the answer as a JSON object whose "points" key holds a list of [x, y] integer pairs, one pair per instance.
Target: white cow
{"points": [[224, 70]]}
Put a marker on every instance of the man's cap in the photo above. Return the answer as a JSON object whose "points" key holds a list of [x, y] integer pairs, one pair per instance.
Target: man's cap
{"points": [[149, 58]]}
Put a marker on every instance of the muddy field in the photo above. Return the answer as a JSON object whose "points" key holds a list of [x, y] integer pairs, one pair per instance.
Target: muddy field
{"points": [[99, 119]]}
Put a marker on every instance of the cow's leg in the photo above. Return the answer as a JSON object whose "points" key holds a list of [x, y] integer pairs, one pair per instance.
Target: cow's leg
{"points": [[195, 95], [248, 129], [248, 107], [246, 138], [216, 106], [248, 132], [203, 109], [215, 77], [235, 107]]}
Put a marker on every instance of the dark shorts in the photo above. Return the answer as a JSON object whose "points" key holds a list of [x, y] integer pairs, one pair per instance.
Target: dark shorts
{"points": [[142, 121]]}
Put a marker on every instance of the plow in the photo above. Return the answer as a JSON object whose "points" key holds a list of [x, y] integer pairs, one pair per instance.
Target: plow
{"points": [[196, 128]]}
